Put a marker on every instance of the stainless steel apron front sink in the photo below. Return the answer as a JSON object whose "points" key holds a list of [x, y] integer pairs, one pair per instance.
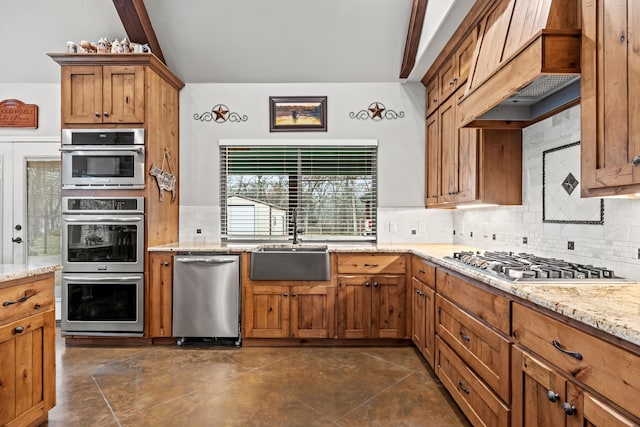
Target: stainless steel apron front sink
{"points": [[287, 262]]}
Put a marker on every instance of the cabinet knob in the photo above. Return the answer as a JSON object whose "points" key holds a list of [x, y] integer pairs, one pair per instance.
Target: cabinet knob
{"points": [[18, 330], [166, 263], [435, 100], [466, 338], [376, 284], [622, 38], [636, 161], [568, 408], [285, 294], [452, 82], [37, 306], [367, 284], [106, 114], [552, 396], [97, 114]]}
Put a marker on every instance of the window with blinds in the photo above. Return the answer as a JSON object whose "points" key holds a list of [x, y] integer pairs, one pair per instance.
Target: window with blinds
{"points": [[328, 193]]}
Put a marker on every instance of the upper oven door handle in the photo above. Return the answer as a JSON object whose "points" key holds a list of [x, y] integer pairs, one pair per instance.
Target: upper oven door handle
{"points": [[101, 279], [105, 219], [110, 148]]}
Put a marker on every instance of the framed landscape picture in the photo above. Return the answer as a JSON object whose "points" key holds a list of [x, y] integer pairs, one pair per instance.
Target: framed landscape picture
{"points": [[298, 113]]}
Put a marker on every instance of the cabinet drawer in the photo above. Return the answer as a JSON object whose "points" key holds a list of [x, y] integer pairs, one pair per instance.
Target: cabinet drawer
{"points": [[606, 368], [26, 299], [424, 272], [483, 349], [484, 304], [476, 400], [371, 264]]}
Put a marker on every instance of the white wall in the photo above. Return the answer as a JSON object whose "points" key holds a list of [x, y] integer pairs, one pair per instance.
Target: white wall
{"points": [[615, 244], [400, 152]]}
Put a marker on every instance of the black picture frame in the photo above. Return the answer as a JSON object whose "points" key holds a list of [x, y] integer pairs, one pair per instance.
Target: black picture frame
{"points": [[297, 113]]}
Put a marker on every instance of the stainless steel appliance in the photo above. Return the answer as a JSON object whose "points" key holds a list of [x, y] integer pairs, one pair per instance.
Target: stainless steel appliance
{"points": [[206, 296], [103, 304], [103, 260], [103, 234], [528, 267], [103, 158]]}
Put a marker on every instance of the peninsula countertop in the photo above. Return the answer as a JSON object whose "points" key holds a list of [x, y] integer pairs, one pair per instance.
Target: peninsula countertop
{"points": [[612, 306]]}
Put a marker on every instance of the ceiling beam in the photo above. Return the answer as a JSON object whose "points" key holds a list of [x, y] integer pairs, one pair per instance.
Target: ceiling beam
{"points": [[137, 24], [413, 37]]}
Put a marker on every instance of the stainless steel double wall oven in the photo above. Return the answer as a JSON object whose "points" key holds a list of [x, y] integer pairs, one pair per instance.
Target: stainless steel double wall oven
{"points": [[103, 260]]}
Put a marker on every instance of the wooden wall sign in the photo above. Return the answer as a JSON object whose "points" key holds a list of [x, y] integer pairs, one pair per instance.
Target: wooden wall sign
{"points": [[16, 114]]}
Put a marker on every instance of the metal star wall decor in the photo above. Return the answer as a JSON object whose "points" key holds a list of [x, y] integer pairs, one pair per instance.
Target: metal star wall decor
{"points": [[220, 113], [376, 111]]}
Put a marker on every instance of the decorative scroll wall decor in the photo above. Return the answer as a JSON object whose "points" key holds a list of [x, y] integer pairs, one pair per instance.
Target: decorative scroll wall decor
{"points": [[561, 202], [220, 113], [377, 111]]}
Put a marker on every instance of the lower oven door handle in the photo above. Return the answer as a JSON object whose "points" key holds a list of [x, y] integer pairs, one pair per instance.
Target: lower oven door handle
{"points": [[106, 219], [102, 148], [101, 279]]}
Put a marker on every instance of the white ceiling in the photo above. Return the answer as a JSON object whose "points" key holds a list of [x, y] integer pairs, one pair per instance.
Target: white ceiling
{"points": [[224, 41]]}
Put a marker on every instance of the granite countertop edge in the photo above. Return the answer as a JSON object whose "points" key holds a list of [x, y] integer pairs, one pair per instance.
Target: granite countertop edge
{"points": [[9, 272], [612, 306]]}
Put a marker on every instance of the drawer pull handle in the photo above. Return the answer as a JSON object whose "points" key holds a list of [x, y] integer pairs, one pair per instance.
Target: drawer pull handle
{"points": [[552, 396], [573, 354], [37, 306], [18, 330], [19, 300], [372, 265], [568, 408], [467, 338], [462, 387], [421, 271]]}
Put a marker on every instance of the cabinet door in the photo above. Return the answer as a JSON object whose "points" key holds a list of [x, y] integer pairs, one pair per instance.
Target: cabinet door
{"points": [[267, 311], [463, 57], [423, 331], [467, 146], [27, 369], [81, 95], [610, 100], [312, 311], [160, 294], [594, 412], [432, 96], [538, 392], [448, 152], [354, 307], [123, 100], [388, 306], [432, 160], [447, 79]]}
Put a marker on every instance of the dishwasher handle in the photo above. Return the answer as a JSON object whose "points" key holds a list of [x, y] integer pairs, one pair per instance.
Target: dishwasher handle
{"points": [[206, 260]]}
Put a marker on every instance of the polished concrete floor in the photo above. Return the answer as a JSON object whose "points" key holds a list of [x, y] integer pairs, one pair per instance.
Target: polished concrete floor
{"points": [[204, 385]]}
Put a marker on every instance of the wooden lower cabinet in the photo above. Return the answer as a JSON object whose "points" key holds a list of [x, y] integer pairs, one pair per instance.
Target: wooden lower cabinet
{"points": [[160, 294], [475, 399], [285, 311], [423, 297], [371, 306], [27, 369]]}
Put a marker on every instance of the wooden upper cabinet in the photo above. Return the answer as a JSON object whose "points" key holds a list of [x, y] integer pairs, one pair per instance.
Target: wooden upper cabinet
{"points": [[432, 96], [610, 98], [454, 72], [432, 160], [102, 94], [448, 152]]}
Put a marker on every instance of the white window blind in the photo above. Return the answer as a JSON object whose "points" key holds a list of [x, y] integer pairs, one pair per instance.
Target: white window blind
{"points": [[328, 192]]}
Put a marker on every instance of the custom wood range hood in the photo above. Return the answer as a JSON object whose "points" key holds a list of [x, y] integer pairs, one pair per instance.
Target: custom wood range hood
{"points": [[526, 64]]}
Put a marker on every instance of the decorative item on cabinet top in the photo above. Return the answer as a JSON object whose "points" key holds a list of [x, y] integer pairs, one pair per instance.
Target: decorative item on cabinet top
{"points": [[298, 113], [376, 111], [16, 114], [560, 203], [166, 180], [220, 113]]}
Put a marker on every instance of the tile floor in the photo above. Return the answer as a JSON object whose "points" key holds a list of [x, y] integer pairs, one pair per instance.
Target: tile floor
{"points": [[204, 385]]}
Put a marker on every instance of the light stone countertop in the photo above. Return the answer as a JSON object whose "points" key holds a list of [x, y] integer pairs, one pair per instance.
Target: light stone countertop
{"points": [[612, 306], [19, 271]]}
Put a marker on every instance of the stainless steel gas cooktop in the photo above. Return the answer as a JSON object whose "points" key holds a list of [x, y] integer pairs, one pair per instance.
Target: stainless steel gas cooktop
{"points": [[528, 267]]}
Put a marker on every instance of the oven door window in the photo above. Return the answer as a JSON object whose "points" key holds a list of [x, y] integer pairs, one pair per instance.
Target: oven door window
{"points": [[102, 302], [102, 243], [103, 166]]}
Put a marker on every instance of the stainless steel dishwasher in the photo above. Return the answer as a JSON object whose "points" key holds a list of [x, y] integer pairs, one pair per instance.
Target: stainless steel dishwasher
{"points": [[206, 297]]}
